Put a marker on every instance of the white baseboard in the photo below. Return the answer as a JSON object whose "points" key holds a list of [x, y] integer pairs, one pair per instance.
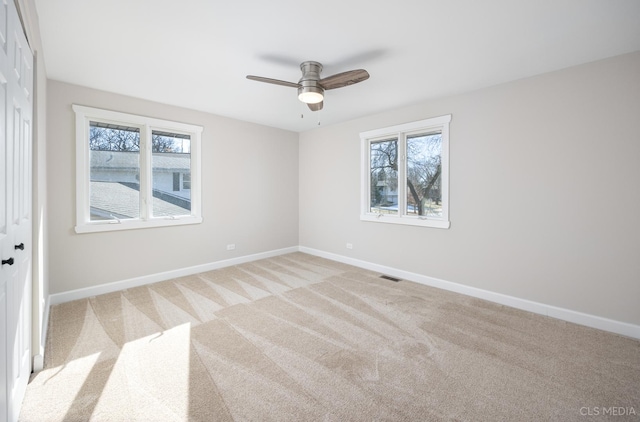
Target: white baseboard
{"points": [[86, 292], [593, 321]]}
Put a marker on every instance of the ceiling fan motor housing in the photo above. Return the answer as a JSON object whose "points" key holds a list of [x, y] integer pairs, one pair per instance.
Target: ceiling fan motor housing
{"points": [[310, 77]]}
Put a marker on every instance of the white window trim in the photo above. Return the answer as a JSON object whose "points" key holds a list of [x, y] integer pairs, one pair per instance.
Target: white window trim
{"points": [[146, 124], [401, 131]]}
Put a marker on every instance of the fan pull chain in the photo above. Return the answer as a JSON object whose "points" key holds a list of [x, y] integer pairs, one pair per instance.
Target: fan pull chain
{"points": [[319, 122]]}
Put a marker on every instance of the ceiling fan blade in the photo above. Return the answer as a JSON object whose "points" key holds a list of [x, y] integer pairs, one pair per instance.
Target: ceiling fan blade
{"points": [[344, 79], [273, 81], [316, 106]]}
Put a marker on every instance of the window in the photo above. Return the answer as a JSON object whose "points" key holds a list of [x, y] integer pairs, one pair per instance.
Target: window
{"points": [[176, 181], [186, 181], [405, 173], [129, 170]]}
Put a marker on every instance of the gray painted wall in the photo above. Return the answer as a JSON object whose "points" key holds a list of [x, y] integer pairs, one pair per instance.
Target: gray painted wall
{"points": [[545, 191], [249, 196]]}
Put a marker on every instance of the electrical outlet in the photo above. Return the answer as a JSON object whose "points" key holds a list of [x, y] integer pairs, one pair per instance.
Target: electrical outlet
{"points": [[231, 246], [349, 246]]}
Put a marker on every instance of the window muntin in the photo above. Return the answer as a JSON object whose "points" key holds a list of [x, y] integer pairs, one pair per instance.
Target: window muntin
{"points": [[417, 155], [125, 171]]}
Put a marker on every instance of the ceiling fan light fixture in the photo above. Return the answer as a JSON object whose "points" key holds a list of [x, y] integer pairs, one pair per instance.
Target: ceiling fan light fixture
{"points": [[311, 85], [310, 94]]}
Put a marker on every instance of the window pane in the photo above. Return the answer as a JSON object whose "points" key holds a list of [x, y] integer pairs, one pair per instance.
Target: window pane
{"points": [[186, 181], [115, 171], [171, 161], [384, 177], [424, 166]]}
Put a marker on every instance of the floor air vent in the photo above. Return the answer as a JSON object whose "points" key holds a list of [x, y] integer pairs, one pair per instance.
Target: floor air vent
{"points": [[388, 277]]}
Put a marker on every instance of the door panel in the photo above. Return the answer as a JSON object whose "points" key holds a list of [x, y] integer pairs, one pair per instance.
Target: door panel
{"points": [[3, 155], [16, 172], [3, 25]]}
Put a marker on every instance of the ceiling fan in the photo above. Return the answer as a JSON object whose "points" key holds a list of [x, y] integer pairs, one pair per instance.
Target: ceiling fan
{"points": [[311, 87]]}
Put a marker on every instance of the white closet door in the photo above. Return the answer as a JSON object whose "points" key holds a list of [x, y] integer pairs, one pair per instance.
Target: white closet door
{"points": [[5, 251], [16, 83]]}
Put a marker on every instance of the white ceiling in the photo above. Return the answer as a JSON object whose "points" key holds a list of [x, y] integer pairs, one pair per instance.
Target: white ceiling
{"points": [[196, 53]]}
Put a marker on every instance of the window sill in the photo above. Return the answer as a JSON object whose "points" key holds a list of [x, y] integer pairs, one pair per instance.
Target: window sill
{"points": [[115, 225], [408, 221]]}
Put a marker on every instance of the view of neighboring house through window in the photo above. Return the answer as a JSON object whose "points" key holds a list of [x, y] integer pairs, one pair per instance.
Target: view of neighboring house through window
{"points": [[171, 156], [135, 171], [405, 173]]}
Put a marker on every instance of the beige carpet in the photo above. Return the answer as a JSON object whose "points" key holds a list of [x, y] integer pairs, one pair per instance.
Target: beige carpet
{"points": [[301, 338]]}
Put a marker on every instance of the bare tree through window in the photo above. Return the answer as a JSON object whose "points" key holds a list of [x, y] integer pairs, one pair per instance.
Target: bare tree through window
{"points": [[384, 176], [424, 168], [109, 137]]}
